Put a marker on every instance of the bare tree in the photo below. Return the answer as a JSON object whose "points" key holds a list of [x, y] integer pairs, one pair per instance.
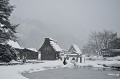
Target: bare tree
{"points": [[98, 41]]}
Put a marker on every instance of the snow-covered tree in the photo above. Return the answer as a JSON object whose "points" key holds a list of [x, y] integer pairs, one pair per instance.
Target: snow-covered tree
{"points": [[115, 44], [98, 41], [7, 31]]}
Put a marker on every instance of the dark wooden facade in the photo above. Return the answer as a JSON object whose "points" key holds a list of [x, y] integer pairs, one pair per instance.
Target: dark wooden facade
{"points": [[48, 52], [28, 54]]}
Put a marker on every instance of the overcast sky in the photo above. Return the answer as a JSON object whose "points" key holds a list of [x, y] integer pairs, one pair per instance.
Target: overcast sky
{"points": [[75, 17]]}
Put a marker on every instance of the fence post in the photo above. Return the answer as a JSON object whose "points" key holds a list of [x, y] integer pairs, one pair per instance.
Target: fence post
{"points": [[80, 59]]}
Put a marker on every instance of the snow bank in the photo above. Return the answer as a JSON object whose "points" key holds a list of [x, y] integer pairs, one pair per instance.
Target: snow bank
{"points": [[113, 58]]}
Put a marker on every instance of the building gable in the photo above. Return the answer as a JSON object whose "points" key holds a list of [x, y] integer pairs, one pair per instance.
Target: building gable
{"points": [[74, 49], [49, 49]]}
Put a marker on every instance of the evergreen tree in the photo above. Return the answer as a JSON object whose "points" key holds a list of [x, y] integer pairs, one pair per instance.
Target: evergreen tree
{"points": [[7, 53], [7, 31]]}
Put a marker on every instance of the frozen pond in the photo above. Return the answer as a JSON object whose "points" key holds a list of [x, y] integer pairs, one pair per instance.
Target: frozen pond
{"points": [[71, 73]]}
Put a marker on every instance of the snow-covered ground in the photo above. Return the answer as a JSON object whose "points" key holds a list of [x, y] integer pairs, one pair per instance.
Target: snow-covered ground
{"points": [[14, 71], [106, 61]]}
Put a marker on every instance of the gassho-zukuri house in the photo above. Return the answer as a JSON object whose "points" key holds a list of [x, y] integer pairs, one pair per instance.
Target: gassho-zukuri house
{"points": [[50, 50]]}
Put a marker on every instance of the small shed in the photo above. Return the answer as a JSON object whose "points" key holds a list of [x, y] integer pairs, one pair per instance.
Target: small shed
{"points": [[50, 50]]}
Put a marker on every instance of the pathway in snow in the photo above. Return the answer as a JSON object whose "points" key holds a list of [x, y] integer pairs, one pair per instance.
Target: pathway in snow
{"points": [[71, 73]]}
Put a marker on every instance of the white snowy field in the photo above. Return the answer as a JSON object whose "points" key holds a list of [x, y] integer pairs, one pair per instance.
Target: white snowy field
{"points": [[99, 61], [14, 71]]}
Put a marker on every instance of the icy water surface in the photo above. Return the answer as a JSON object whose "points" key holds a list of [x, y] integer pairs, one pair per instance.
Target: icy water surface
{"points": [[71, 73]]}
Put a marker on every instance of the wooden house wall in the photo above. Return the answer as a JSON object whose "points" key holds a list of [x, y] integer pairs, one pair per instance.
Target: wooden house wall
{"points": [[47, 52], [31, 55], [27, 54]]}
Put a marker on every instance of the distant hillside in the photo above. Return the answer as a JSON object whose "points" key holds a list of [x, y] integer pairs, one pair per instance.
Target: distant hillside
{"points": [[31, 33]]}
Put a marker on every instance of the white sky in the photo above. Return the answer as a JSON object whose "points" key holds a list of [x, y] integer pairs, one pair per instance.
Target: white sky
{"points": [[74, 17]]}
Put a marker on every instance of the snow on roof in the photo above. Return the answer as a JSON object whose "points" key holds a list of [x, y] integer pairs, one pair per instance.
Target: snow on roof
{"points": [[55, 45], [33, 49], [52, 40], [14, 44], [77, 49], [1, 25]]}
